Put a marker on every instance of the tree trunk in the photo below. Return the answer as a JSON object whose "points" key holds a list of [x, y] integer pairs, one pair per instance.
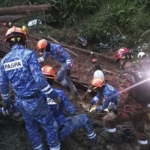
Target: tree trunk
{"points": [[10, 18], [22, 9]]}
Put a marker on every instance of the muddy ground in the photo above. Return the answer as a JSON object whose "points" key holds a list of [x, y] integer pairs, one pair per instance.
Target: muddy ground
{"points": [[13, 135]]}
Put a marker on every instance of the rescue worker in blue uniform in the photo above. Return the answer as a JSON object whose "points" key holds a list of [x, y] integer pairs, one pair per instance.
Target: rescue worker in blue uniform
{"points": [[60, 55], [70, 124], [21, 69], [109, 94]]}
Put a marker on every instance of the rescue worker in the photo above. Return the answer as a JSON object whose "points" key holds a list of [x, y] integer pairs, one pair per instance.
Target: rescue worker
{"points": [[109, 93], [128, 108], [95, 66], [59, 54], [70, 124], [97, 74], [21, 69]]}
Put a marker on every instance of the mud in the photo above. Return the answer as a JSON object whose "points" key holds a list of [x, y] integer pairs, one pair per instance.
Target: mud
{"points": [[14, 136]]}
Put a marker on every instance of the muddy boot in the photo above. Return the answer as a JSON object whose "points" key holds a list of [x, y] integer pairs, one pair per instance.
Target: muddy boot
{"points": [[115, 137], [143, 145], [111, 136], [94, 145]]}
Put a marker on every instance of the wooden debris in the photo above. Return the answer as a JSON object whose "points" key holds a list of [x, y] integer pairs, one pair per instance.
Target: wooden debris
{"points": [[80, 49], [109, 72], [68, 50], [22, 9], [10, 18]]}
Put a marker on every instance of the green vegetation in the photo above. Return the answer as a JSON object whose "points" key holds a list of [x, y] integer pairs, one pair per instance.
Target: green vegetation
{"points": [[94, 18]]}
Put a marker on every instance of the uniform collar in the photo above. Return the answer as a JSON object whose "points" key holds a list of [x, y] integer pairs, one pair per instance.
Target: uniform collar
{"points": [[17, 47]]}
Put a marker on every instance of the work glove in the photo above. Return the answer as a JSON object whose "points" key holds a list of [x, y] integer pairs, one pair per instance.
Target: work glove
{"points": [[69, 63], [99, 109], [4, 105], [88, 107], [53, 95], [93, 110]]}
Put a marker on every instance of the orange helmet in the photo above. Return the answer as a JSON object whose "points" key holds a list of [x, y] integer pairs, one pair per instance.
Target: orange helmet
{"points": [[49, 72], [41, 44], [15, 32], [98, 82]]}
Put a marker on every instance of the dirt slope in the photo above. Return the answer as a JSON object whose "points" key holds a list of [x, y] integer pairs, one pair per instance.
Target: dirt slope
{"points": [[78, 141]]}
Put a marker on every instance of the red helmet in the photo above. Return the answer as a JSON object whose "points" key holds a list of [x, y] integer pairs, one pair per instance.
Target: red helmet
{"points": [[122, 52], [15, 32]]}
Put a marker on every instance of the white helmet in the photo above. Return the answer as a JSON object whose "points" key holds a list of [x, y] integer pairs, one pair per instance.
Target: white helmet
{"points": [[141, 54], [98, 74]]}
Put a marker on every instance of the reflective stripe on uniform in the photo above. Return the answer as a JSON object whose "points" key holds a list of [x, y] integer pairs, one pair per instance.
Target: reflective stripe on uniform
{"points": [[143, 142], [92, 135], [89, 91], [96, 99], [5, 96], [38, 147], [48, 92], [46, 88], [40, 59], [63, 83], [55, 148], [111, 130], [5, 112]]}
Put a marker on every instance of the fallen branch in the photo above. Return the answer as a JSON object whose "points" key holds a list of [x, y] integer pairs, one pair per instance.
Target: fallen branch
{"points": [[10, 18], [22, 9], [79, 49], [83, 50], [109, 72], [68, 50]]}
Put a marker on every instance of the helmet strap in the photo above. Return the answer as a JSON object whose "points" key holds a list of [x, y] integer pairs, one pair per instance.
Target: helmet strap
{"points": [[47, 49]]}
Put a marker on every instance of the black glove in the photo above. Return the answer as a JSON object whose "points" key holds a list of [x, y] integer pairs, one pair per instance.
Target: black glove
{"points": [[4, 105]]}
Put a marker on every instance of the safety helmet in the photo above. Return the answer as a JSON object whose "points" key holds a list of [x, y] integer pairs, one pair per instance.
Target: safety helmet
{"points": [[41, 44], [49, 72], [98, 74], [15, 32], [141, 55], [123, 53], [98, 82]]}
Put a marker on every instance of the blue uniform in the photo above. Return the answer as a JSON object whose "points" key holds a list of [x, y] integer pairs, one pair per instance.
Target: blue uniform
{"points": [[59, 54], [111, 97], [20, 67], [68, 125]]}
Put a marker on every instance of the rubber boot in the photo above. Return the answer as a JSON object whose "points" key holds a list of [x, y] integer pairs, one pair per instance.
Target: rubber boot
{"points": [[143, 145], [115, 137], [94, 145], [110, 136]]}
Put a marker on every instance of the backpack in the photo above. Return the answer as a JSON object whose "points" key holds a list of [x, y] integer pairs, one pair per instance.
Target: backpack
{"points": [[142, 90]]}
